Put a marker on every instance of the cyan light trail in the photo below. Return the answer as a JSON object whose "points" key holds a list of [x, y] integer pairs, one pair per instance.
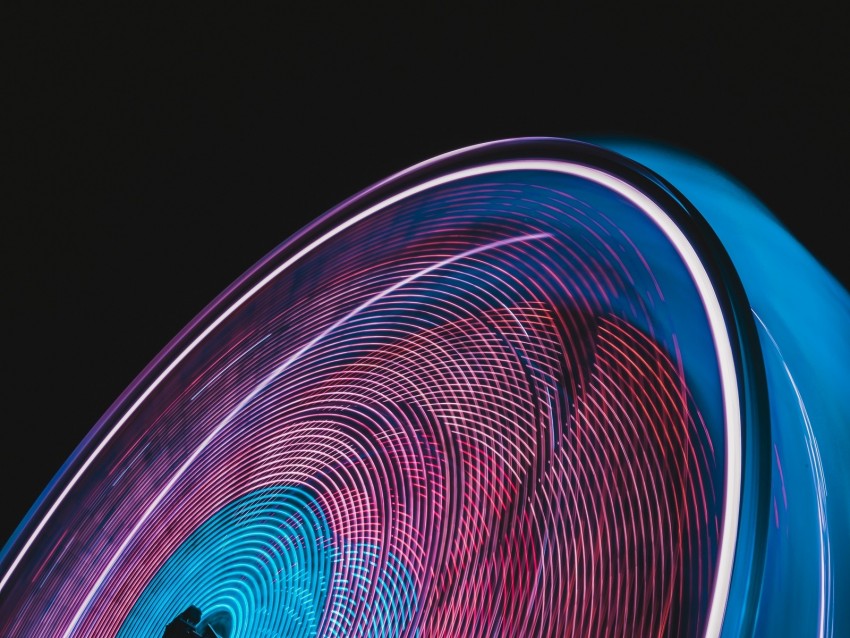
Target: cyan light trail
{"points": [[803, 319], [512, 391], [501, 395]]}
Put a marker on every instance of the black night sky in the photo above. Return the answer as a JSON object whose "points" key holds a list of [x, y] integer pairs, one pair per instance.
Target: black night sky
{"points": [[155, 156]]}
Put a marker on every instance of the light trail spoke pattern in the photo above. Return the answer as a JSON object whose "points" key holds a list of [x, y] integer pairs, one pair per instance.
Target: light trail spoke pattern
{"points": [[489, 408]]}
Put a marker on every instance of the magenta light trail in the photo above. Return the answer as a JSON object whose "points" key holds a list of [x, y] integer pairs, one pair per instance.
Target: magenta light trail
{"points": [[481, 398]]}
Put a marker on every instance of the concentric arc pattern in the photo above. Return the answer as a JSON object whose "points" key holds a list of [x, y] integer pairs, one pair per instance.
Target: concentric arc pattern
{"points": [[496, 402]]}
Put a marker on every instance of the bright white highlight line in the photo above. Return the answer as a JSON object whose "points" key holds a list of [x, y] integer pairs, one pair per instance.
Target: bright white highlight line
{"points": [[262, 386], [722, 343]]}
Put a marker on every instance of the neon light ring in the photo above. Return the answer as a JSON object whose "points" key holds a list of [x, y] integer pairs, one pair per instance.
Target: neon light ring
{"points": [[528, 388]]}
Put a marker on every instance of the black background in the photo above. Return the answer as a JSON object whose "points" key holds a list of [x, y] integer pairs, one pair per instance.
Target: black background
{"points": [[155, 156]]}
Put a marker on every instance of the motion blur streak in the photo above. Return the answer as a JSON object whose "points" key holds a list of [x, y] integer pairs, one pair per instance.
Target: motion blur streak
{"points": [[803, 319], [524, 389]]}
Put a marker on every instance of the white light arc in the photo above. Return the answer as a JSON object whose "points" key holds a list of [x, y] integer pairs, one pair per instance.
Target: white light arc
{"points": [[714, 312]]}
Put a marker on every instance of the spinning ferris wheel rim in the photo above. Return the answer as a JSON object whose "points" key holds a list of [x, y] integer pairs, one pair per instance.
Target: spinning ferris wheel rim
{"points": [[722, 296]]}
